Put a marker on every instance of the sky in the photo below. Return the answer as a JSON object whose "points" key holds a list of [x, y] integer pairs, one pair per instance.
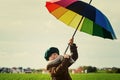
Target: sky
{"points": [[27, 30]]}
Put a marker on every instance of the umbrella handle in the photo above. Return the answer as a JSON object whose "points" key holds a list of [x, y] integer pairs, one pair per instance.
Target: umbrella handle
{"points": [[76, 30]]}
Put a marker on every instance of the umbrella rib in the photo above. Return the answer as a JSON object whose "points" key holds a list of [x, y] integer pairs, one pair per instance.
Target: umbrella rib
{"points": [[73, 18]]}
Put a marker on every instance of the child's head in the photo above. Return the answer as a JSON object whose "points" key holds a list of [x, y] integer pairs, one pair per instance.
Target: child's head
{"points": [[51, 54]]}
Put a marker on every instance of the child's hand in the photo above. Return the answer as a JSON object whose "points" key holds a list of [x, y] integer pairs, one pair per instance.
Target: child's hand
{"points": [[71, 41], [66, 56]]}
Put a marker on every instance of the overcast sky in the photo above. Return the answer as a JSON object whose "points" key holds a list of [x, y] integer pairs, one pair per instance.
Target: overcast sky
{"points": [[27, 29]]}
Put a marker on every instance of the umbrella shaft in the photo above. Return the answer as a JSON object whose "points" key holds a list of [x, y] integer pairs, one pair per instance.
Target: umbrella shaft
{"points": [[76, 30], [79, 23], [74, 33], [77, 27]]}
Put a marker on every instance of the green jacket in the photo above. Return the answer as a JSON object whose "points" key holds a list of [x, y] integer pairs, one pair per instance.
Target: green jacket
{"points": [[60, 71]]}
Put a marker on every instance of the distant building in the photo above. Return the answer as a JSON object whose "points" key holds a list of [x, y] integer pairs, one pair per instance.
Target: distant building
{"points": [[78, 70], [28, 70]]}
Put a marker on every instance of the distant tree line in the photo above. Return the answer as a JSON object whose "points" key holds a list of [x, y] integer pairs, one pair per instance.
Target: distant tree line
{"points": [[84, 69], [113, 70], [81, 69], [91, 69]]}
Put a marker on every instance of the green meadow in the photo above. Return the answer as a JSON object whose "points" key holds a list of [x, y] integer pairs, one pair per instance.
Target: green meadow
{"points": [[89, 76]]}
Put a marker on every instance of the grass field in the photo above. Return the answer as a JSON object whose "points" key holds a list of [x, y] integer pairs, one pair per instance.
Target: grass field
{"points": [[90, 76]]}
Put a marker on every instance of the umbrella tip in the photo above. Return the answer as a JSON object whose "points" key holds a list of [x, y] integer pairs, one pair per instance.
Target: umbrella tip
{"points": [[90, 1]]}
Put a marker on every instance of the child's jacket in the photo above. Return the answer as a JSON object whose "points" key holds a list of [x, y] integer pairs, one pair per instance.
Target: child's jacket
{"points": [[60, 71]]}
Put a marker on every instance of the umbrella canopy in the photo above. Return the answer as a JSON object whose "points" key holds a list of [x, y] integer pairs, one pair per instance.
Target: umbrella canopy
{"points": [[71, 12]]}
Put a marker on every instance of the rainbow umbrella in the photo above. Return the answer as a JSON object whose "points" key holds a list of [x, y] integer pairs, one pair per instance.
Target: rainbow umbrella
{"points": [[82, 16]]}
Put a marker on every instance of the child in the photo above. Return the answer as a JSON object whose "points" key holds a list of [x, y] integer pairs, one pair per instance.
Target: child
{"points": [[58, 64]]}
